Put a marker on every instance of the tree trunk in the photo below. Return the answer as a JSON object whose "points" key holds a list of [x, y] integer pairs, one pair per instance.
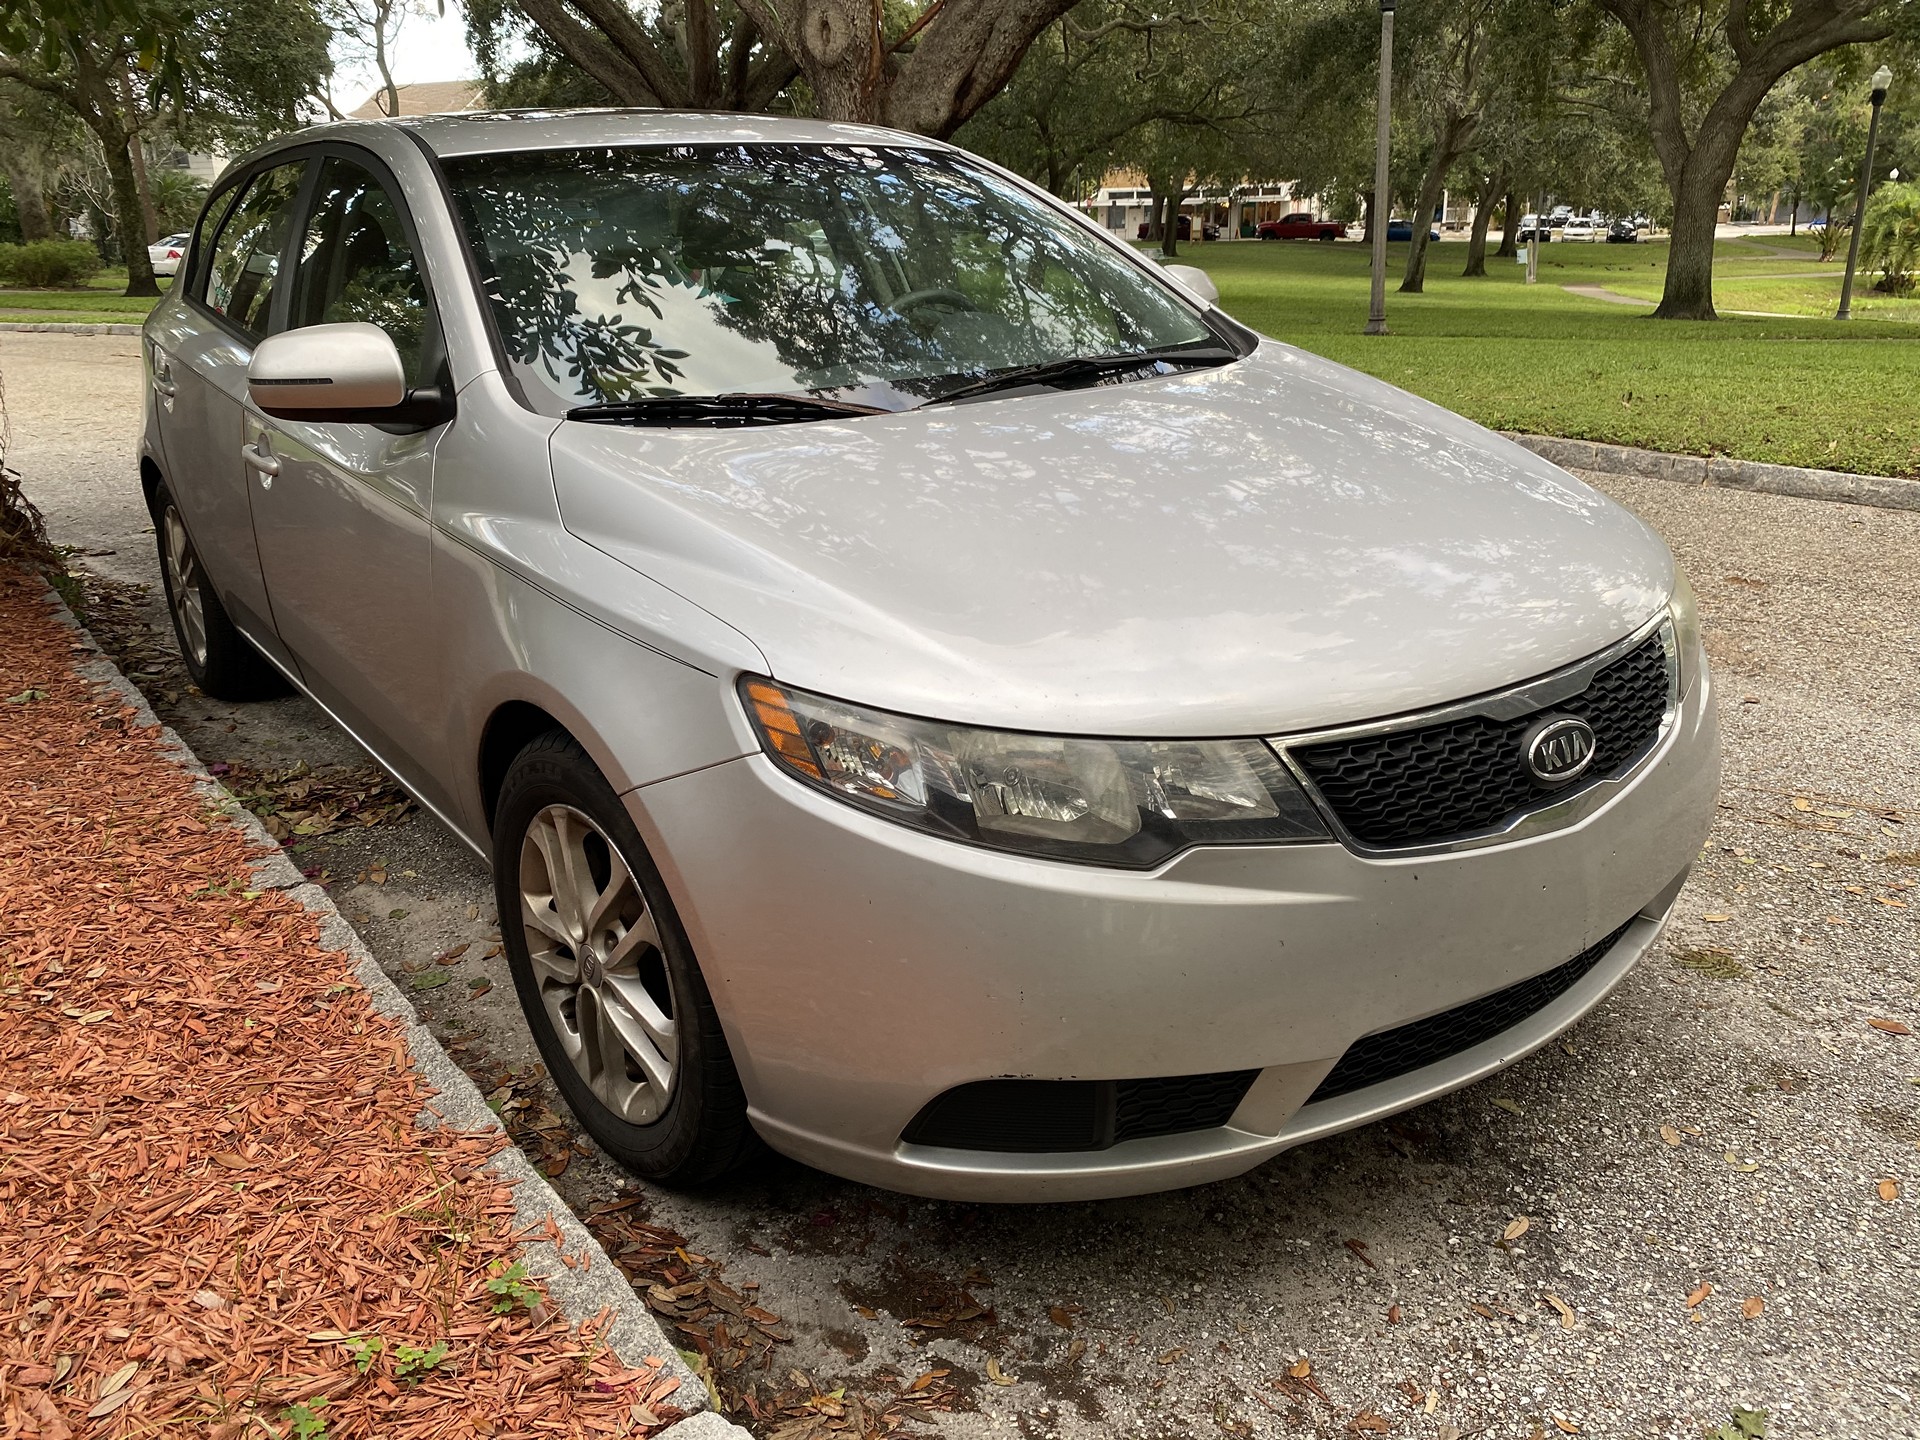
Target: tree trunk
{"points": [[126, 214], [1367, 218], [1415, 280], [137, 154], [1170, 224], [28, 196], [1482, 220], [1510, 222], [1696, 209]]}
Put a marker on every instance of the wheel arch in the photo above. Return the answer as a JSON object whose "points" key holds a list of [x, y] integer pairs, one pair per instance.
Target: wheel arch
{"points": [[509, 729]]}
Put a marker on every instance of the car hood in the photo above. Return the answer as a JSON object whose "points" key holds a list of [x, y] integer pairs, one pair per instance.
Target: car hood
{"points": [[1273, 545]]}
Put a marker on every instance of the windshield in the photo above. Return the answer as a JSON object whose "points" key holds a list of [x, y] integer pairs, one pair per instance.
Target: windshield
{"points": [[884, 276]]}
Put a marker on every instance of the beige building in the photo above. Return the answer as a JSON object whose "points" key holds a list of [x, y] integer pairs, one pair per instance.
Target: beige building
{"points": [[430, 97]]}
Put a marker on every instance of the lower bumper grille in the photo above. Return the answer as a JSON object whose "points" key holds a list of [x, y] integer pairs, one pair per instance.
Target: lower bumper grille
{"points": [[1400, 1051], [1039, 1116]]}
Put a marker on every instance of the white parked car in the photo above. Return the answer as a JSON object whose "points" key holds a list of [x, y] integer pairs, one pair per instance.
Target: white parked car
{"points": [[1582, 227], [165, 253]]}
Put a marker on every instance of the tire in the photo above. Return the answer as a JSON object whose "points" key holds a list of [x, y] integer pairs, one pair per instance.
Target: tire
{"points": [[622, 1017], [219, 660]]}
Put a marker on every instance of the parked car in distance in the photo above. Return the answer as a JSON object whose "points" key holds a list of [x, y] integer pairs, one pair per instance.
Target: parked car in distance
{"points": [[1301, 227], [1623, 232], [1580, 227], [940, 695], [164, 254], [1530, 226], [1183, 230], [1403, 230]]}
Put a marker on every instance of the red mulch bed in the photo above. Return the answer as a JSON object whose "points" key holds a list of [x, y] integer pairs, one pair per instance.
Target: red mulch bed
{"points": [[217, 1215]]}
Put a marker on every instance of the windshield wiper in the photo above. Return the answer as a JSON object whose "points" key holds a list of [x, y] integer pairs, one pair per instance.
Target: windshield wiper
{"points": [[1085, 369], [719, 411]]}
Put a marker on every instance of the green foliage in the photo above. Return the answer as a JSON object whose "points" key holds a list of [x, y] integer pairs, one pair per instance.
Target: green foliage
{"points": [[510, 1288], [177, 198], [410, 1362], [1744, 1425], [1890, 236], [364, 1349], [303, 1420], [49, 264]]}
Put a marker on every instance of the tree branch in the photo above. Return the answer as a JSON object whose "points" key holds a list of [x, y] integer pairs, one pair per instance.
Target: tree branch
{"points": [[624, 33], [612, 71]]}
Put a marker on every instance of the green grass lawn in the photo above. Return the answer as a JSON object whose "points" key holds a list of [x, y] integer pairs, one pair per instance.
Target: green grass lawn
{"points": [[99, 302], [1536, 358]]}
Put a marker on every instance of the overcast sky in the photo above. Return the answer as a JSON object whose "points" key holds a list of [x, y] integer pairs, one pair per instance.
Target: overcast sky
{"points": [[430, 47]]}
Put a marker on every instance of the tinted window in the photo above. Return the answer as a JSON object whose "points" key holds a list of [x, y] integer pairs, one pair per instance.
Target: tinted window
{"points": [[246, 256], [356, 263], [629, 272]]}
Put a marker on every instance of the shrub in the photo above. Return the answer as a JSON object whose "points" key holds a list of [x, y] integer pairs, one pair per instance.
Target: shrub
{"points": [[49, 264], [1890, 237]]}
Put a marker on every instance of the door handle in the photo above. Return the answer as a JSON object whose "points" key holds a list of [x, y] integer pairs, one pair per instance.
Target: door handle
{"points": [[259, 458], [163, 380]]}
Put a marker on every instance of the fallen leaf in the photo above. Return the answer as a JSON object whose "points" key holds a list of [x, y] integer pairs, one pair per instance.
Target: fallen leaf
{"points": [[1889, 1189], [1566, 1427], [1367, 1422], [1896, 904], [1516, 1228], [1165, 1357], [112, 1403], [1700, 1292], [1892, 1027], [1510, 1106], [118, 1378], [1393, 1314], [1000, 1377], [1751, 1307], [1566, 1311], [431, 980], [1802, 805], [1359, 1249], [232, 1162], [1669, 1134], [1745, 1167], [1716, 919], [1300, 1369], [1061, 1316]]}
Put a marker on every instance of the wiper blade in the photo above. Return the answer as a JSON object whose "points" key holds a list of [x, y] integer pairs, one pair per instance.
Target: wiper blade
{"points": [[719, 411], [1086, 368]]}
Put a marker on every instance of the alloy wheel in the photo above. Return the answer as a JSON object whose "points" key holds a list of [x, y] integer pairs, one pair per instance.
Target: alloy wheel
{"points": [[184, 582], [595, 953]]}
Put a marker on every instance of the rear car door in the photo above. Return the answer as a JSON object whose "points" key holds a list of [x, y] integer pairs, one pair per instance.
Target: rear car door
{"points": [[198, 370], [341, 509]]}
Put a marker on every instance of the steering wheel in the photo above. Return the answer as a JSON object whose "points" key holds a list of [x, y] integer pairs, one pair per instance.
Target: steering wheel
{"points": [[932, 295]]}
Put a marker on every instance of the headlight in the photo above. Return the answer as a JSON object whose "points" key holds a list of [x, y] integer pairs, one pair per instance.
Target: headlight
{"points": [[1129, 803], [1684, 633]]}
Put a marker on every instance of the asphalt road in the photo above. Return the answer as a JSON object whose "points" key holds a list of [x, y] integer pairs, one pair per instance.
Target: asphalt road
{"points": [[1729, 1119]]}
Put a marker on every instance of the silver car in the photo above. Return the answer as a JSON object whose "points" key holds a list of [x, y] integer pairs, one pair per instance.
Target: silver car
{"points": [[937, 695]]}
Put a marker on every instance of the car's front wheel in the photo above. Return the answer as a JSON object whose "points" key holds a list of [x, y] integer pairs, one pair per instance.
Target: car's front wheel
{"points": [[220, 661], [606, 976]]}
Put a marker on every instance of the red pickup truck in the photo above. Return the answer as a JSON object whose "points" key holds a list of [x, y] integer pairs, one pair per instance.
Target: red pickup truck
{"points": [[1300, 227]]}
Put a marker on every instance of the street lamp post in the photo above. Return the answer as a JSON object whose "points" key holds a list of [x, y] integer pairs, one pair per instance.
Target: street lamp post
{"points": [[1377, 314], [1882, 78]]}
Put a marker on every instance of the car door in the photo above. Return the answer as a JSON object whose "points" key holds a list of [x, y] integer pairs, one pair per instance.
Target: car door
{"points": [[341, 509], [198, 370]]}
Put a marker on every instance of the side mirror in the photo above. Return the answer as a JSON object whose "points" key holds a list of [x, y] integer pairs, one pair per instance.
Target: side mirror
{"points": [[328, 372], [1193, 278]]}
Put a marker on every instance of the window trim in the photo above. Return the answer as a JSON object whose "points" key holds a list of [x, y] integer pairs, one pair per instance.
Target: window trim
{"points": [[196, 296]]}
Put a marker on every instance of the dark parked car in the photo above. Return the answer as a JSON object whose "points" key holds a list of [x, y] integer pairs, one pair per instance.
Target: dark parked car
{"points": [[1300, 227], [1622, 232], [1403, 230], [1184, 230]]}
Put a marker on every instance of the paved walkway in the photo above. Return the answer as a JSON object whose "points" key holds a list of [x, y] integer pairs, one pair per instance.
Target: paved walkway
{"points": [[217, 1213]]}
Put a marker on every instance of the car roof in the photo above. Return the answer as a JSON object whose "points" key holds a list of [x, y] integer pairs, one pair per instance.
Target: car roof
{"points": [[482, 132]]}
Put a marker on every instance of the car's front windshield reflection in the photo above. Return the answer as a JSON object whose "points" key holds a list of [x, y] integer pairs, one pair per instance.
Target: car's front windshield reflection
{"points": [[886, 275]]}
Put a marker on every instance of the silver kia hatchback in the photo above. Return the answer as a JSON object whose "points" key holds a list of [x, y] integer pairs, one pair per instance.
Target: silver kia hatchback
{"points": [[936, 694]]}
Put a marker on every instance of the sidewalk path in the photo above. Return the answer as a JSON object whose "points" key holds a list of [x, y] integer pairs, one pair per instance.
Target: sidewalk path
{"points": [[217, 1214]]}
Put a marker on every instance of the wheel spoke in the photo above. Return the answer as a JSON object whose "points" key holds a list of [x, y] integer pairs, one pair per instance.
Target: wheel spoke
{"points": [[619, 886], [642, 935], [633, 1022]]}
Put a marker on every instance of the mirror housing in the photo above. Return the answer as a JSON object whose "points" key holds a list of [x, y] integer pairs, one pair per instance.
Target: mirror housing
{"points": [[329, 372], [1195, 280]]}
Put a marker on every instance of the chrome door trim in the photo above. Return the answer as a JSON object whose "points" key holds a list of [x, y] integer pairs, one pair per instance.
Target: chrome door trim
{"points": [[1508, 704]]}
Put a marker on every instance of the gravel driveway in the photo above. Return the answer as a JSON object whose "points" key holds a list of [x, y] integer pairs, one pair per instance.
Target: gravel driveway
{"points": [[1701, 1204]]}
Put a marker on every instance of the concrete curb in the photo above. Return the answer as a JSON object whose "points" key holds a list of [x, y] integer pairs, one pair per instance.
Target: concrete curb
{"points": [[35, 327], [1885, 491], [582, 1290]]}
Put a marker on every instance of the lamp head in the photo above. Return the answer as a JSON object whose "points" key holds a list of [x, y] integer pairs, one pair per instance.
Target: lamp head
{"points": [[1882, 78]]}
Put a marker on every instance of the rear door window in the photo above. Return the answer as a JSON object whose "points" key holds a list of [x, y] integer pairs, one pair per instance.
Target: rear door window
{"points": [[246, 253]]}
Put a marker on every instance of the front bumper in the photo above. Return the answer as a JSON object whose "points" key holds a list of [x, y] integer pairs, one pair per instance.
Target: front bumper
{"points": [[861, 969]]}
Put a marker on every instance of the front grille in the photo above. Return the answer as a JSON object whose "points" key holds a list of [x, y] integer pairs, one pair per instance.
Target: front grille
{"points": [[1391, 1053], [1036, 1116], [1444, 781]]}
